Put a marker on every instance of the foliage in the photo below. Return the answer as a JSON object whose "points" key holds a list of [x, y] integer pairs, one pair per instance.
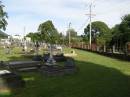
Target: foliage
{"points": [[85, 38], [125, 28], [73, 36], [3, 22], [3, 35], [100, 32], [72, 32], [62, 39], [3, 17], [35, 37], [48, 32], [121, 33]]}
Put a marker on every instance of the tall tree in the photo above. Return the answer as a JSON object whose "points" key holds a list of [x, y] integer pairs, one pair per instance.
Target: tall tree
{"points": [[72, 32], [73, 36], [48, 32], [50, 35], [35, 37], [100, 33], [121, 34], [3, 17], [125, 28]]}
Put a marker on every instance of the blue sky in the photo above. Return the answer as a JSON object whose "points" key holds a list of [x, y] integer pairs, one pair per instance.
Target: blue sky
{"points": [[30, 13]]}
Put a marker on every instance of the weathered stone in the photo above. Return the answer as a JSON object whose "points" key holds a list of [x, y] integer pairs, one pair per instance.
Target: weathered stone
{"points": [[10, 80]]}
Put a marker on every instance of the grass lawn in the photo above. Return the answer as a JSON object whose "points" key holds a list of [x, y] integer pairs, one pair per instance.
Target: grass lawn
{"points": [[98, 76]]}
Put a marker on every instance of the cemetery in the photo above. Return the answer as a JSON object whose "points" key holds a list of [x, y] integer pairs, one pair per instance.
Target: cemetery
{"points": [[42, 56], [26, 76]]}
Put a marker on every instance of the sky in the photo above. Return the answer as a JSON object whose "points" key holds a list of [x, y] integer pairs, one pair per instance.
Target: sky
{"points": [[29, 14]]}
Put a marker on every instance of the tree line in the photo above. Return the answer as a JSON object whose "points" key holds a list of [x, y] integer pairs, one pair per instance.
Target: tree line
{"points": [[102, 35]]}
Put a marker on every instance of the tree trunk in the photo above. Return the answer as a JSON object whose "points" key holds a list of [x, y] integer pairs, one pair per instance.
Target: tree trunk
{"points": [[97, 48], [104, 48], [113, 49]]}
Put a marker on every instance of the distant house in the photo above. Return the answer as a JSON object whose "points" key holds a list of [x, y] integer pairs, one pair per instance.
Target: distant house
{"points": [[15, 39]]}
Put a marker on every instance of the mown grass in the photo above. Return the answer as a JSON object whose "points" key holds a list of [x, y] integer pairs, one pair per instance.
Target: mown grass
{"points": [[98, 76]]}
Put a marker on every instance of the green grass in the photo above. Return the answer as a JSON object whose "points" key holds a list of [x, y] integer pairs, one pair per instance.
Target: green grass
{"points": [[98, 76]]}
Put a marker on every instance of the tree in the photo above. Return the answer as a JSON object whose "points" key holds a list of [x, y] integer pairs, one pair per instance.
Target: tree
{"points": [[50, 35], [61, 39], [121, 34], [3, 35], [3, 17], [73, 36], [48, 32], [100, 33], [72, 32], [125, 28], [35, 37], [116, 39], [85, 38]]}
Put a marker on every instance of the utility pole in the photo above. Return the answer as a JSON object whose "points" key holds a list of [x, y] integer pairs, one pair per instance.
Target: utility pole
{"points": [[90, 28], [90, 24], [69, 34], [25, 44]]}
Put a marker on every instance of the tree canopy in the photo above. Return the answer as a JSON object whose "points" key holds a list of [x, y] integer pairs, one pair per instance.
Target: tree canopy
{"points": [[121, 33], [3, 17], [48, 32], [3, 22], [100, 32], [35, 37], [72, 32]]}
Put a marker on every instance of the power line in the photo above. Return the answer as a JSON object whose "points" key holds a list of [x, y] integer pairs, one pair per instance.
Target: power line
{"points": [[83, 24]]}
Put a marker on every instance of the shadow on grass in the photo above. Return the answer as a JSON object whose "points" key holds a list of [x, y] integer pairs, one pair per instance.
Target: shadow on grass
{"points": [[92, 80], [121, 57]]}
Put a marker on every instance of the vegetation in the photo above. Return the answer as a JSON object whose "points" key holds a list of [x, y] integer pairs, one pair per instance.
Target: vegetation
{"points": [[73, 36], [48, 32], [35, 37], [3, 35], [121, 33], [100, 33], [3, 22], [98, 76]]}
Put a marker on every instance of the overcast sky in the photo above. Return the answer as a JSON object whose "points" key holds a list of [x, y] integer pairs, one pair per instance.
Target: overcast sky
{"points": [[30, 13]]}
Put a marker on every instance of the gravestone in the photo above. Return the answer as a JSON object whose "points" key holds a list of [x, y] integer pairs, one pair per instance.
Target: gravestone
{"points": [[24, 65], [37, 58], [56, 70], [52, 70], [69, 66], [10, 80]]}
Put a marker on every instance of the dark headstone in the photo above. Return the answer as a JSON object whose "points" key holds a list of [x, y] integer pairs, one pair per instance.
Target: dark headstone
{"points": [[24, 65], [11, 80], [52, 70], [37, 58], [69, 66]]}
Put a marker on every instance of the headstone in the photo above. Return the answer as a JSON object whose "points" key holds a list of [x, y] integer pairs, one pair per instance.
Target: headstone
{"points": [[11, 80], [70, 67], [24, 65], [37, 58]]}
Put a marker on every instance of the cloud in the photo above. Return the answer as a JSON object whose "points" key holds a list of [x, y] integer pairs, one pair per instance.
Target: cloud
{"points": [[31, 13]]}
